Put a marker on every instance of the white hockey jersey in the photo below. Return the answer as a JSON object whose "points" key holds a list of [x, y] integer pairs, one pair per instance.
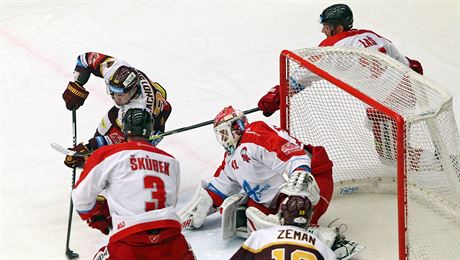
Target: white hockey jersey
{"points": [[150, 96], [283, 242], [141, 184], [365, 39], [258, 163]]}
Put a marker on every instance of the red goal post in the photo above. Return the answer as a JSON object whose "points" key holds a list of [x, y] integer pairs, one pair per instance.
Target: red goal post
{"points": [[388, 130]]}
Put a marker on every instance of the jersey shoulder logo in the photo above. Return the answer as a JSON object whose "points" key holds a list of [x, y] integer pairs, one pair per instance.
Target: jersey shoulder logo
{"points": [[289, 147], [244, 155]]}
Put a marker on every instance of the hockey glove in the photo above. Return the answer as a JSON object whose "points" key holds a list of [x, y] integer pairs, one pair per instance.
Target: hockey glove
{"points": [[415, 66], [77, 161], [302, 183], [270, 102], [101, 218], [74, 95]]}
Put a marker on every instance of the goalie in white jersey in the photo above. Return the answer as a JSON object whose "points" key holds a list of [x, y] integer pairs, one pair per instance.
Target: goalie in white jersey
{"points": [[141, 184], [256, 158]]}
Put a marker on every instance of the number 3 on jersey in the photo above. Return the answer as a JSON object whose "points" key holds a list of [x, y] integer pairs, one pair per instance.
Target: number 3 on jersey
{"points": [[157, 187]]}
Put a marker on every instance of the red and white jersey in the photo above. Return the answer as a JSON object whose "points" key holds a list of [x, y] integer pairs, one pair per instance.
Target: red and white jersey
{"points": [[258, 163], [365, 39], [141, 184], [283, 242]]}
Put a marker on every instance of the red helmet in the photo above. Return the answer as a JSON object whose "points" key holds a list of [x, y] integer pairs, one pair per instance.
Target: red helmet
{"points": [[229, 126], [296, 211]]}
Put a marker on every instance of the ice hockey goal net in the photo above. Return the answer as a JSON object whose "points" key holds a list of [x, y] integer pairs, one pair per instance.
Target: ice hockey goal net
{"points": [[387, 130]]}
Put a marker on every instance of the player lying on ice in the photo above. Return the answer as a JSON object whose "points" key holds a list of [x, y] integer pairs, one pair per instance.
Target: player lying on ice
{"points": [[262, 166], [128, 87]]}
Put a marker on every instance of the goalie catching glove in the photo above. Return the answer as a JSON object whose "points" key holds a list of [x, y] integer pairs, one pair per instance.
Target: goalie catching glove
{"points": [[301, 183]]}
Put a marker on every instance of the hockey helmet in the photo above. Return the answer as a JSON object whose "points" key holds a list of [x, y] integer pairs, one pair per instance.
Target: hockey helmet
{"points": [[123, 80], [229, 126], [296, 211], [338, 14], [137, 122]]}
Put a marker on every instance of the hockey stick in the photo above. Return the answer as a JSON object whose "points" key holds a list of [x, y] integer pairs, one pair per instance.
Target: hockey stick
{"points": [[66, 151], [183, 129], [68, 252]]}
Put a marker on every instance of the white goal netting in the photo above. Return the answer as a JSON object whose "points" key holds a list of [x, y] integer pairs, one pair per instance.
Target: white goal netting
{"points": [[387, 130]]}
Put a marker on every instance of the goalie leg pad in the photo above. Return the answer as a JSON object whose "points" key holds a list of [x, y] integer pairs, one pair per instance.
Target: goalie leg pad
{"points": [[230, 209], [196, 211], [259, 220]]}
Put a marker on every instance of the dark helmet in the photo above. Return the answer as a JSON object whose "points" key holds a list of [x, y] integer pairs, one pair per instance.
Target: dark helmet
{"points": [[296, 211], [338, 14], [137, 122], [123, 80]]}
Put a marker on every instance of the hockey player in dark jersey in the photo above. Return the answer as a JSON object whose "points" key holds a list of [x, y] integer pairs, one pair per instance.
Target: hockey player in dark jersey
{"points": [[293, 239], [128, 87]]}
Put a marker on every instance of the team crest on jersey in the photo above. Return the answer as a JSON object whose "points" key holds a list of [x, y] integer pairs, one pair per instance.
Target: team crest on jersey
{"points": [[121, 225], [154, 239], [289, 147], [256, 192], [244, 154]]}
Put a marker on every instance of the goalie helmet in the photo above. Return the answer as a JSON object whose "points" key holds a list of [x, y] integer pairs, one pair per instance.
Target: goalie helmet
{"points": [[229, 126], [296, 211], [338, 14], [123, 80], [137, 122]]}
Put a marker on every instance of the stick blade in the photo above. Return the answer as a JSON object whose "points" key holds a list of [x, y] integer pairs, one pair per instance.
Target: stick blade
{"points": [[71, 254], [61, 149]]}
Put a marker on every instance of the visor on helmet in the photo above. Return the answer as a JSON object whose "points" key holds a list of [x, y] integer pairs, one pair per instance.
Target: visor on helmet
{"points": [[125, 86]]}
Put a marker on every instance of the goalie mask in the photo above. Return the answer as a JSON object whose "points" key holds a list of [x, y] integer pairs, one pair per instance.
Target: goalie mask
{"points": [[229, 126], [296, 211], [137, 122]]}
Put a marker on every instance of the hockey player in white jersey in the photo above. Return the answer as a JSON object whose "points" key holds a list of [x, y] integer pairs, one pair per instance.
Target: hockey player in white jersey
{"points": [[293, 239], [251, 174], [140, 183], [337, 21], [128, 87]]}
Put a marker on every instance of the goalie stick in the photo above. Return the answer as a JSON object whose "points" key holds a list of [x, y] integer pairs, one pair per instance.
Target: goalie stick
{"points": [[67, 151]]}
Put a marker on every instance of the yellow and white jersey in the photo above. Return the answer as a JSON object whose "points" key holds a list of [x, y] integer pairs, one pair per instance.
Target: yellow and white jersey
{"points": [[283, 243]]}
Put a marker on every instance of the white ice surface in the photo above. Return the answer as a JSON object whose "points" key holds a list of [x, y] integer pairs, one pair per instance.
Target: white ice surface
{"points": [[207, 54]]}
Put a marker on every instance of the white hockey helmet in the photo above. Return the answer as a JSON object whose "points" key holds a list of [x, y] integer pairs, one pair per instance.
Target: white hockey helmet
{"points": [[229, 126]]}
